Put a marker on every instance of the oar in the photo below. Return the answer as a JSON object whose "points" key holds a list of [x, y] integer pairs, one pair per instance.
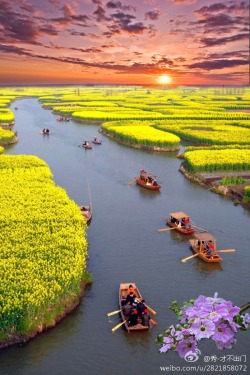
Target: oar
{"points": [[226, 251], [153, 321], [131, 182], [113, 312], [164, 229], [151, 310], [192, 256], [118, 326]]}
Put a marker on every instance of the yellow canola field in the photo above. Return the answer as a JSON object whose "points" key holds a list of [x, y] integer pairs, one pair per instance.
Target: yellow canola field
{"points": [[217, 160], [43, 246], [209, 133], [144, 135]]}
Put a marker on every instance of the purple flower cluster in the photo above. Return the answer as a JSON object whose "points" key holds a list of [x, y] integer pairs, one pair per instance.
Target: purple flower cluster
{"points": [[205, 317]]}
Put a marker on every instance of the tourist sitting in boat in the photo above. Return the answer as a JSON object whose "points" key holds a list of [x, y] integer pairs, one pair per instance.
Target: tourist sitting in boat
{"points": [[45, 131], [201, 246], [178, 223], [131, 289], [127, 309], [154, 183], [142, 309], [86, 144], [186, 222], [133, 319], [145, 319], [131, 297], [210, 250]]}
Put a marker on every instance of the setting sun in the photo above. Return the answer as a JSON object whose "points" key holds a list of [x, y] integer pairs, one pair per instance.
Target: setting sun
{"points": [[164, 79]]}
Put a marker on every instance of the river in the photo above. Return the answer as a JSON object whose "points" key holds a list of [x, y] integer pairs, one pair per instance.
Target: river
{"points": [[125, 246]]}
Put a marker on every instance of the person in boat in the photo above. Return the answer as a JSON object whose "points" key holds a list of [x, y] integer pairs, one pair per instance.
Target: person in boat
{"points": [[178, 223], [133, 319], [130, 289], [186, 223], [142, 309], [201, 246], [210, 250], [154, 183], [131, 297], [96, 139], [127, 309], [145, 319]]}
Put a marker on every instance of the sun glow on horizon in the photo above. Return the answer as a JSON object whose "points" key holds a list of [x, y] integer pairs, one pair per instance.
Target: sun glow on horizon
{"points": [[164, 79]]}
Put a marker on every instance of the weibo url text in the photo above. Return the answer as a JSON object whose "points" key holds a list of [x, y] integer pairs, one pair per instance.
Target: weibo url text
{"points": [[208, 368]]}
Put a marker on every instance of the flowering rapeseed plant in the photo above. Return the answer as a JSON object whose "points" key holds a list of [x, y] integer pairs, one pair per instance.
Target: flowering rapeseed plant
{"points": [[205, 317]]}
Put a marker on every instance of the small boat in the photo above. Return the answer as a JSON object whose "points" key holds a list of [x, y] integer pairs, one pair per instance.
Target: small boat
{"points": [[199, 244], [45, 132], [123, 291], [87, 145], [63, 118], [86, 212], [181, 222], [97, 141], [147, 180]]}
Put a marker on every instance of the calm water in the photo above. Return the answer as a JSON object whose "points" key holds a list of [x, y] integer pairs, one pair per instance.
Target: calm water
{"points": [[125, 246]]}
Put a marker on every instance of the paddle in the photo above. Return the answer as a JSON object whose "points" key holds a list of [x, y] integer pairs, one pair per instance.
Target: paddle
{"points": [[164, 229], [153, 321], [192, 256], [131, 182], [113, 312], [226, 251], [151, 310], [118, 326]]}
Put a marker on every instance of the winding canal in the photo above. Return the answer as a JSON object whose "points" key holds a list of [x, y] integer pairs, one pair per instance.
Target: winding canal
{"points": [[125, 246]]}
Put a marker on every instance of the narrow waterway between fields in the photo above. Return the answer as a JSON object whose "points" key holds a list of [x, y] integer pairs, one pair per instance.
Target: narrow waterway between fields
{"points": [[125, 246]]}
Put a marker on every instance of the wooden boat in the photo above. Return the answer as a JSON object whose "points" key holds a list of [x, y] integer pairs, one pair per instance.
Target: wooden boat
{"points": [[97, 141], [123, 291], [45, 132], [180, 222], [87, 146], [63, 118], [147, 180], [86, 212], [198, 245]]}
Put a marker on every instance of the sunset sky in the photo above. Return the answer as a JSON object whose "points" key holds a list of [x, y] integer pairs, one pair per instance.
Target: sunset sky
{"points": [[194, 42]]}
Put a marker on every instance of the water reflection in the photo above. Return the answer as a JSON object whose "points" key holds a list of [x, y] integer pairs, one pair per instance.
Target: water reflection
{"points": [[148, 194], [143, 339], [206, 268], [178, 237]]}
